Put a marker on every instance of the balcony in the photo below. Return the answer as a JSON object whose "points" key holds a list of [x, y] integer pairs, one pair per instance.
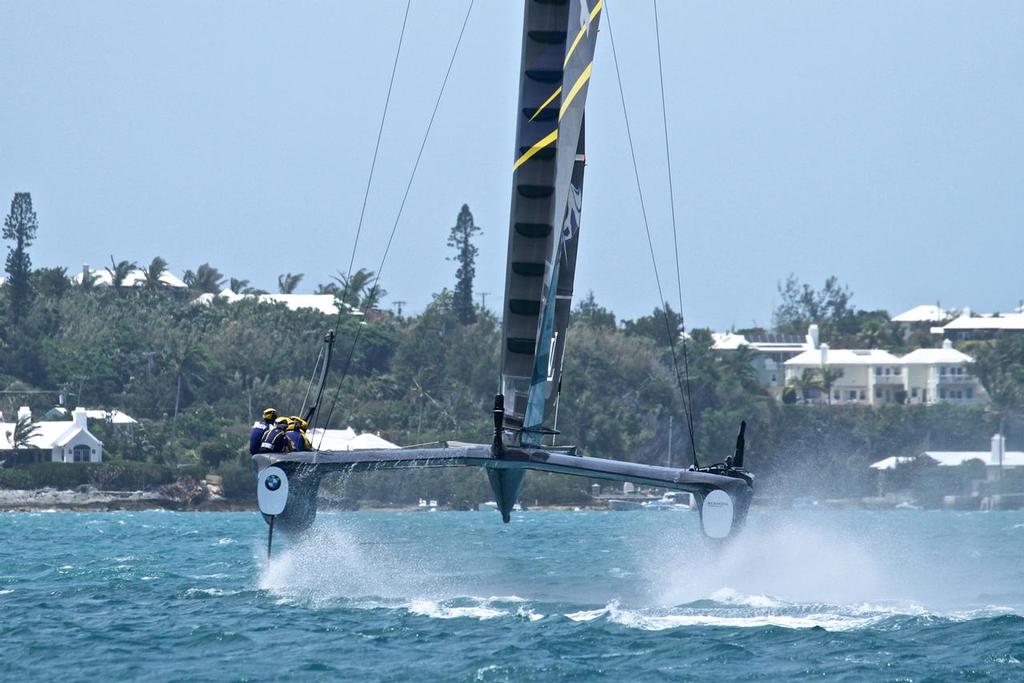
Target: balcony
{"points": [[889, 380], [957, 379]]}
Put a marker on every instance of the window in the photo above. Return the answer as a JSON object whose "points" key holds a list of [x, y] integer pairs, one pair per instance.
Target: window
{"points": [[878, 372], [82, 453], [942, 393], [878, 393], [942, 370], [970, 393], [862, 394], [835, 395], [897, 371], [913, 392], [888, 371], [852, 395]]}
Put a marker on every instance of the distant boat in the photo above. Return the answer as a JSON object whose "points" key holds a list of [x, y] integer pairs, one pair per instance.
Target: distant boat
{"points": [[671, 500], [619, 505]]}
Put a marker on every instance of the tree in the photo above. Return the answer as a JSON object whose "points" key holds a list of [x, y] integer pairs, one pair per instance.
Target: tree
{"points": [[153, 273], [206, 280], [287, 283], [361, 290], [24, 431], [461, 239], [589, 312], [999, 366], [654, 326], [20, 227], [828, 377], [119, 272], [801, 306], [805, 384]]}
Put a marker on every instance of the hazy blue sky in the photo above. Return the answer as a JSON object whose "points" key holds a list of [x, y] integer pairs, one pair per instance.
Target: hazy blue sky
{"points": [[879, 141]]}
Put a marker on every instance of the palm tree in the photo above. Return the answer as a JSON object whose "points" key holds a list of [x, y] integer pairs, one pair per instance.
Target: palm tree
{"points": [[24, 431], [119, 272], [237, 286], [329, 288], [805, 383], [287, 283], [827, 377], [361, 290], [188, 363], [153, 272], [206, 280]]}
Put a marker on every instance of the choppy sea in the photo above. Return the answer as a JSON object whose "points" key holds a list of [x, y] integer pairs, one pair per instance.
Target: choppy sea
{"points": [[552, 596]]}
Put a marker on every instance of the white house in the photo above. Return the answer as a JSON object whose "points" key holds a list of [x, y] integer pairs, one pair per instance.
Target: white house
{"points": [[925, 313], [134, 278], [934, 375], [985, 326], [771, 351], [874, 377], [996, 458], [65, 441], [325, 303]]}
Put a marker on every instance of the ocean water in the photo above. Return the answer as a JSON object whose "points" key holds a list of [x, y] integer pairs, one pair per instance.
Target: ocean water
{"points": [[552, 596]]}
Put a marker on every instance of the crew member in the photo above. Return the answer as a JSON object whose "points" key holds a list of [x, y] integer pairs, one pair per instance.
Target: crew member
{"points": [[276, 440], [297, 434], [259, 429]]}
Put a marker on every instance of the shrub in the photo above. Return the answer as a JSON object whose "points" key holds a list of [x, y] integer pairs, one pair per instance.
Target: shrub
{"points": [[15, 479], [237, 482], [213, 453], [58, 475], [126, 475]]}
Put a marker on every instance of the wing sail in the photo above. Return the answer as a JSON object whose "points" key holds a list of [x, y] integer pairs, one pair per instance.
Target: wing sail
{"points": [[547, 196]]}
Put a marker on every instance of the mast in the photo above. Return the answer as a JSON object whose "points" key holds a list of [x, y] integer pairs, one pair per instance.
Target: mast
{"points": [[547, 197]]}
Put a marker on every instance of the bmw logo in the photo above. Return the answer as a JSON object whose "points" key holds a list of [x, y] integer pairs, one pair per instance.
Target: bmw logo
{"points": [[273, 482]]}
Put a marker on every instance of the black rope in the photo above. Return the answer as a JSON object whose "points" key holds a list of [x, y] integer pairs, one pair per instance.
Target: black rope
{"points": [[394, 228], [675, 235], [650, 242]]}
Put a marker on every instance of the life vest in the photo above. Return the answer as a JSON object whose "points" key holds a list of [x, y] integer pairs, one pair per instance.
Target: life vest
{"points": [[256, 436], [297, 440], [275, 441]]}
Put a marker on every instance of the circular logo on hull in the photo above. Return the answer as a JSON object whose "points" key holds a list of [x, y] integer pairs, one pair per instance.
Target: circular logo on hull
{"points": [[272, 491]]}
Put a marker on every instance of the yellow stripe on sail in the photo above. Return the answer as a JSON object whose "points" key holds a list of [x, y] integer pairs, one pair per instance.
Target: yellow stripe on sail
{"points": [[548, 101], [575, 89], [583, 29], [541, 144]]}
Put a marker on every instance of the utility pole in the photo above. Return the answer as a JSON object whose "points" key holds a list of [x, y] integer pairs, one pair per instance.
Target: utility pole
{"points": [[399, 305], [483, 300]]}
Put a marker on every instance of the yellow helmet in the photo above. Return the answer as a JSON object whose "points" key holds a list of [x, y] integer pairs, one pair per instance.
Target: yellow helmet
{"points": [[269, 414], [299, 422], [282, 423]]}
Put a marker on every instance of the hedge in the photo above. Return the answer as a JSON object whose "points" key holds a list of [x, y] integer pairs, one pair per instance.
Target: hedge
{"points": [[117, 475]]}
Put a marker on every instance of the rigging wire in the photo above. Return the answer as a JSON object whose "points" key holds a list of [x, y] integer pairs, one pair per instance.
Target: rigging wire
{"points": [[394, 228], [650, 242], [675, 234], [376, 151]]}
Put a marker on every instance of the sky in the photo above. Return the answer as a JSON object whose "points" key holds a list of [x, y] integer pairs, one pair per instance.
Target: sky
{"points": [[879, 141]]}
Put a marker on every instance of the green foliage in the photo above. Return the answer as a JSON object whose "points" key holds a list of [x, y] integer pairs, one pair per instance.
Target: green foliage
{"points": [[15, 479], [237, 482], [999, 365], [20, 227], [461, 240], [109, 476]]}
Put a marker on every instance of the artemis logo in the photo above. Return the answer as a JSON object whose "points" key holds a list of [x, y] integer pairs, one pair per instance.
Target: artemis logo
{"points": [[716, 504]]}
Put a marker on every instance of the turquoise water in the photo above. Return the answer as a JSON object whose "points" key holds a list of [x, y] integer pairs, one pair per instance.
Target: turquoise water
{"points": [[551, 596]]}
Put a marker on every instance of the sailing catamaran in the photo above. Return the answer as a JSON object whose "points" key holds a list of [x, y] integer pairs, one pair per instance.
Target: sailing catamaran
{"points": [[558, 42]]}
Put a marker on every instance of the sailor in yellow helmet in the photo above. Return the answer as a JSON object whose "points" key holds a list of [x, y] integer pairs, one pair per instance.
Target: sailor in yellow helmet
{"points": [[260, 428], [297, 434]]}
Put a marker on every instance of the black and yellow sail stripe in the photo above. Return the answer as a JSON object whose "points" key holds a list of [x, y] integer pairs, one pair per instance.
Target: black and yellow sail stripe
{"points": [[583, 30], [575, 90], [538, 146], [558, 91]]}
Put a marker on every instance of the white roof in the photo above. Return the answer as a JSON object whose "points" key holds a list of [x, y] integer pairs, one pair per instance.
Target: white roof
{"points": [[134, 278], [346, 440], [730, 341], [319, 302], [1009, 321], [844, 357], [925, 313], [115, 416], [953, 459], [947, 354], [48, 435]]}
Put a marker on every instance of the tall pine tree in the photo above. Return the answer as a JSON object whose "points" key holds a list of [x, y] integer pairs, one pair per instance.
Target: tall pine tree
{"points": [[19, 227], [461, 239]]}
